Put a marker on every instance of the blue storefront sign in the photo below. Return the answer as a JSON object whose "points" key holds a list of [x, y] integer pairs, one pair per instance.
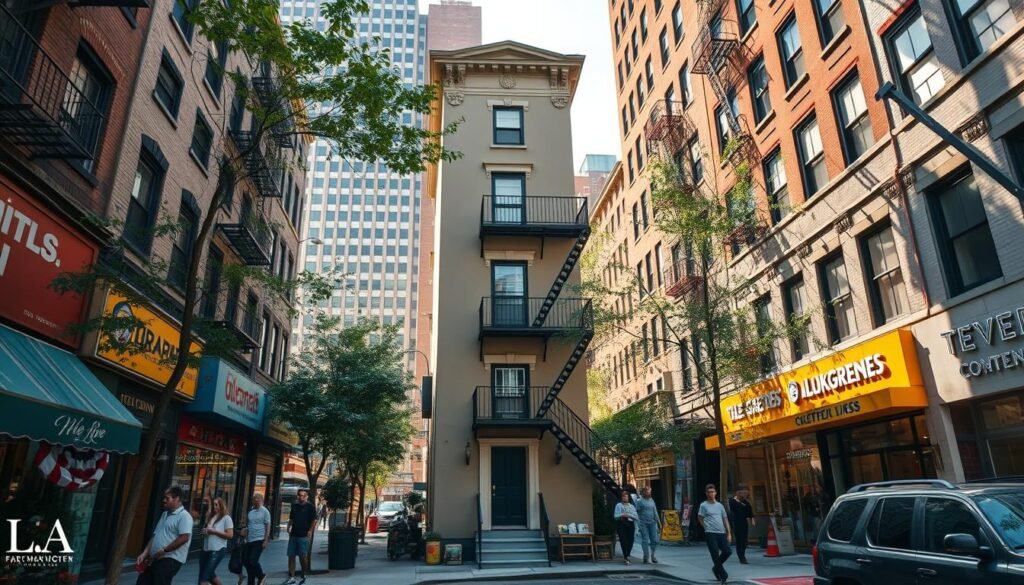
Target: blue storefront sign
{"points": [[226, 391]]}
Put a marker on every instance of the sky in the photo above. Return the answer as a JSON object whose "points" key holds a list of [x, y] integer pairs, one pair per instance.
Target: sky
{"points": [[565, 26]]}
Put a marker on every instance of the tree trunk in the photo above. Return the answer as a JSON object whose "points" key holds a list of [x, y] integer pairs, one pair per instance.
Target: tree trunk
{"points": [[362, 508], [716, 389], [312, 477], [147, 452]]}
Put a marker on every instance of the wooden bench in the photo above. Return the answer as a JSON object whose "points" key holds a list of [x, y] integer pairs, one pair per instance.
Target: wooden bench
{"points": [[576, 546]]}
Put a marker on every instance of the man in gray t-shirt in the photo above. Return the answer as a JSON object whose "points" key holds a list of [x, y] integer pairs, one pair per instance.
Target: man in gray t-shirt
{"points": [[717, 534], [168, 548], [257, 537]]}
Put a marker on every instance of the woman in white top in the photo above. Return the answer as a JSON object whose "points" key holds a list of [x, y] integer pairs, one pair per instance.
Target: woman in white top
{"points": [[625, 524], [219, 530]]}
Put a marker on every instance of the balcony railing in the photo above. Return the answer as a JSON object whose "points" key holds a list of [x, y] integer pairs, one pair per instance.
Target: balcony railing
{"points": [[516, 316], [534, 215], [41, 108], [259, 168], [712, 49], [668, 128], [680, 278], [249, 238], [268, 91], [508, 405], [245, 325]]}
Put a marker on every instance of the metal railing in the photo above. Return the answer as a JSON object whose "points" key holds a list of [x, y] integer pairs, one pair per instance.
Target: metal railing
{"points": [[479, 533], [712, 48], [34, 90], [249, 238], [680, 276], [531, 210], [259, 168], [668, 128], [518, 313], [268, 90], [545, 526], [505, 403]]}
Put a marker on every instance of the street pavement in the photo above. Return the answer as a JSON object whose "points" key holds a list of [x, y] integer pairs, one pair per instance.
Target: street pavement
{"points": [[691, 564]]}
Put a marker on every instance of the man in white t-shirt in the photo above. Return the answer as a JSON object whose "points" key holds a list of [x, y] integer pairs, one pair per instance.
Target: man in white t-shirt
{"points": [[168, 548], [257, 537]]}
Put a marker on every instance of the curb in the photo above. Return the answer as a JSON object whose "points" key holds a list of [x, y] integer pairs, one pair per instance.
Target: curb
{"points": [[559, 575]]}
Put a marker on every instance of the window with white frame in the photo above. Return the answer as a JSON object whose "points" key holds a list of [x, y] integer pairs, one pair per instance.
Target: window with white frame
{"points": [[830, 19], [812, 156], [884, 276], [759, 94], [508, 125], [778, 188], [792, 51], [835, 291], [795, 301], [747, 16], [684, 84], [913, 58]]}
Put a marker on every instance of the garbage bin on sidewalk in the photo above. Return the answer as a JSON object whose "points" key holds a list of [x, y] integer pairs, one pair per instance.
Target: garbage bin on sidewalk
{"points": [[372, 524], [342, 544]]}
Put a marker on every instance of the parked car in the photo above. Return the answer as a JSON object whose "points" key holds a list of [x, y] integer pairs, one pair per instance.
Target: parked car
{"points": [[924, 532], [386, 513]]}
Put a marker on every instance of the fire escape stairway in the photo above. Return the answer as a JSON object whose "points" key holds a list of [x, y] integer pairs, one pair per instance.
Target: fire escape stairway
{"points": [[588, 448], [563, 275]]}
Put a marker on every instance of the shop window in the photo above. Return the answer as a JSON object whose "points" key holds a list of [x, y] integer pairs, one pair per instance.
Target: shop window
{"points": [[944, 516], [891, 522], [967, 251], [884, 276], [845, 518], [835, 292]]}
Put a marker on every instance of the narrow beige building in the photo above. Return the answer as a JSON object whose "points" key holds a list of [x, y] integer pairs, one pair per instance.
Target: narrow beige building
{"points": [[510, 449]]}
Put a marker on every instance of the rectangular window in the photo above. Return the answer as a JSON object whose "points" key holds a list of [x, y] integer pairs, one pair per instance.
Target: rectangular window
{"points": [[968, 253], [831, 21], [655, 343], [913, 59], [216, 57], [980, 23], [835, 291], [91, 85], [237, 116], [696, 162], [622, 80], [854, 122], [778, 189], [264, 333], [643, 25], [184, 240], [508, 125], [639, 149], [211, 283], [812, 156], [625, 122], [202, 140], [745, 10], [629, 166], [632, 108], [658, 267], [795, 303], [677, 23], [635, 45], [636, 222], [180, 12], [684, 84], [725, 115], [640, 92], [664, 47], [645, 343], [792, 52], [884, 276], [649, 71], [508, 198], [762, 323], [169, 86], [757, 77], [144, 203]]}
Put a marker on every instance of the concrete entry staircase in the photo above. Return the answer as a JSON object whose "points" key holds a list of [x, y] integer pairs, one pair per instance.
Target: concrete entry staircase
{"points": [[513, 548]]}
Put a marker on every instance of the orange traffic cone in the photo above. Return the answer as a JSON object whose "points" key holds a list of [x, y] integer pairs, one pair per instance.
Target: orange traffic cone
{"points": [[773, 545]]}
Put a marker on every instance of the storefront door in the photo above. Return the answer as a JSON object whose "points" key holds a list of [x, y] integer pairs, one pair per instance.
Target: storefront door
{"points": [[508, 486], [800, 493]]}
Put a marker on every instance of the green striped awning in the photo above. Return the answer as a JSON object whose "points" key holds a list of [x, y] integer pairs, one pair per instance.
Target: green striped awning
{"points": [[47, 394]]}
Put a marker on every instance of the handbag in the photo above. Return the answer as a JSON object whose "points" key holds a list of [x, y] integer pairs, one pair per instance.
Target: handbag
{"points": [[235, 563]]}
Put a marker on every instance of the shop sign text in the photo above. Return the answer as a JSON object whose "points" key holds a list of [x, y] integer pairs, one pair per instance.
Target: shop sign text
{"points": [[986, 333], [828, 413], [79, 430], [36, 555]]}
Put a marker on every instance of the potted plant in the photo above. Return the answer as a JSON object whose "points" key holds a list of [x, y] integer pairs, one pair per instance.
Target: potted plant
{"points": [[433, 554], [341, 541]]}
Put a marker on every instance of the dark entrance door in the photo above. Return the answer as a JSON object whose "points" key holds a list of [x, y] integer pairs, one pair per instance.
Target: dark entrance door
{"points": [[508, 486]]}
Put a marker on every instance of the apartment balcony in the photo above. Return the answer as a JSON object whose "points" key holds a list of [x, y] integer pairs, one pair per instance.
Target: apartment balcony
{"points": [[268, 90], [517, 215], [249, 239], [260, 169], [745, 233], [681, 279], [535, 317], [668, 128], [245, 326], [508, 410], [41, 108], [713, 48]]}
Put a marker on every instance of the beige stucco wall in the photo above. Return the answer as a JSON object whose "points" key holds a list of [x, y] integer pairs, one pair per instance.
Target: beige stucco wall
{"points": [[462, 277]]}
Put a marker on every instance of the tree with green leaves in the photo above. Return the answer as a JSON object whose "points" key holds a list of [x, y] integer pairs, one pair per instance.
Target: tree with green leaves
{"points": [[356, 109], [704, 310]]}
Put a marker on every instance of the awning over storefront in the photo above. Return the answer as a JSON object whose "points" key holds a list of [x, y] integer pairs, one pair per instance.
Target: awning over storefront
{"points": [[872, 379], [225, 391], [47, 394]]}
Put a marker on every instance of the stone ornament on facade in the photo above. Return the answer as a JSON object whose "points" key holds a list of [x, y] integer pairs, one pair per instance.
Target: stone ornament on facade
{"points": [[559, 81], [974, 128], [843, 223], [507, 81], [454, 84]]}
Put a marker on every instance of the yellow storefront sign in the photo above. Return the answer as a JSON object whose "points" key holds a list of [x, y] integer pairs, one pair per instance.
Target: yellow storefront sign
{"points": [[159, 337], [877, 377]]}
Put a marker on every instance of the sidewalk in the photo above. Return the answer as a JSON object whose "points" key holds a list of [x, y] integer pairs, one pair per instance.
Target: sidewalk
{"points": [[690, 563]]}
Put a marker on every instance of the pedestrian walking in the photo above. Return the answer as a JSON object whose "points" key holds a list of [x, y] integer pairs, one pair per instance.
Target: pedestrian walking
{"points": [[715, 521], [167, 549], [625, 524], [301, 524], [742, 518], [650, 524], [323, 512], [219, 530], [257, 537]]}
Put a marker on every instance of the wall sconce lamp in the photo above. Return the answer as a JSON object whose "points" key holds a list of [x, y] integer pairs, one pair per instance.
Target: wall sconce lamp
{"points": [[469, 452], [558, 454]]}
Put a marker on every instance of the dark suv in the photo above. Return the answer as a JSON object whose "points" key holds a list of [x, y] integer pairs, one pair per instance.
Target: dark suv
{"points": [[927, 532]]}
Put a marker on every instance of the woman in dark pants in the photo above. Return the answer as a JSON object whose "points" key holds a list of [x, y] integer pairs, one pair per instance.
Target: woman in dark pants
{"points": [[625, 524]]}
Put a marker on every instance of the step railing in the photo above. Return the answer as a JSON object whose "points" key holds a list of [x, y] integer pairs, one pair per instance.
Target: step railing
{"points": [[479, 533], [545, 526], [599, 450]]}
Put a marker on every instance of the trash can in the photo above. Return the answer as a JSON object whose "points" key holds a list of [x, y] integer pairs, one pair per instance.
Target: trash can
{"points": [[372, 525], [342, 544]]}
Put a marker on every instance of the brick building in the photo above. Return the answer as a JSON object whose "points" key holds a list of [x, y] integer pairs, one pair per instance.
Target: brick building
{"points": [[850, 229]]}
